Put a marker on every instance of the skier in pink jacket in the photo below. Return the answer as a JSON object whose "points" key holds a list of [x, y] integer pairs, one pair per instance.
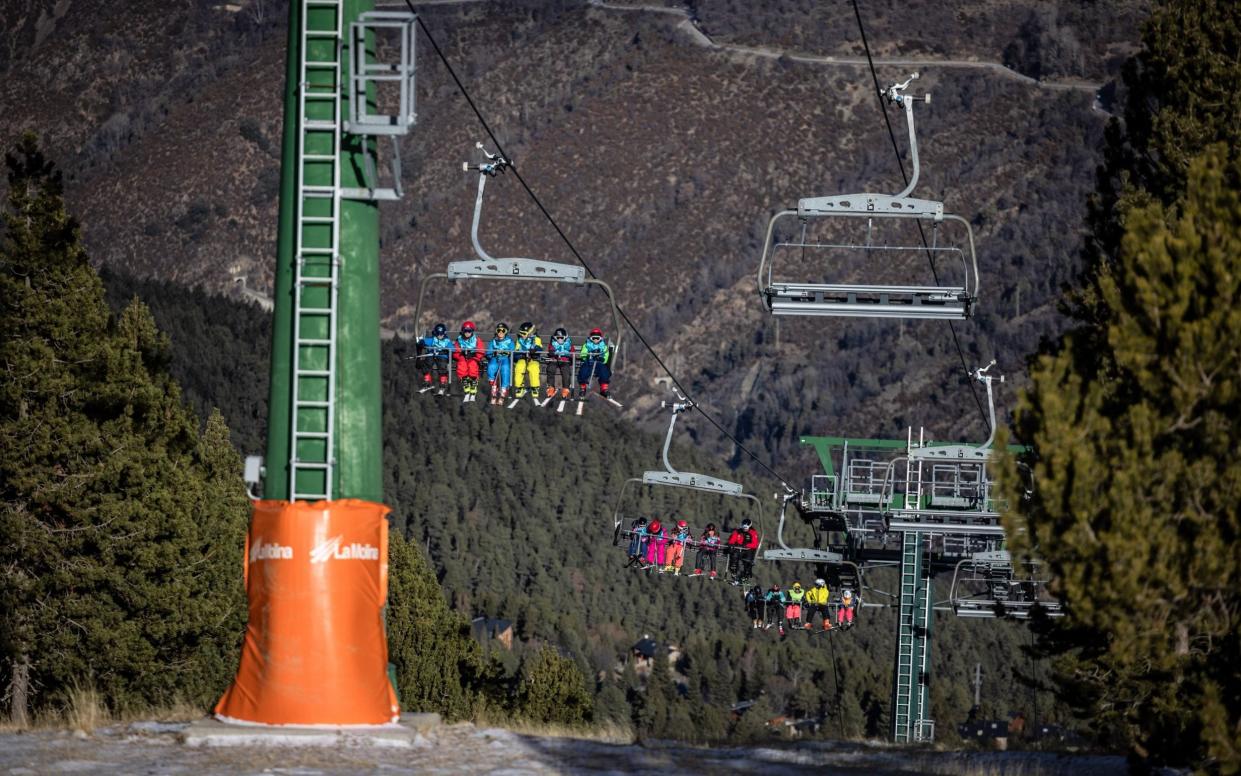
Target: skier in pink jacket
{"points": [[656, 544]]}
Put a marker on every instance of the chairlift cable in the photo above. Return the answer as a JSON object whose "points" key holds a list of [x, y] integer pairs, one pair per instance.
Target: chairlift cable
{"points": [[572, 249], [883, 108], [840, 691]]}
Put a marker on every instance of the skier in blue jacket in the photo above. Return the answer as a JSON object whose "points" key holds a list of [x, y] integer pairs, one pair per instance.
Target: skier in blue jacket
{"points": [[500, 363], [435, 355], [595, 355], [560, 364]]}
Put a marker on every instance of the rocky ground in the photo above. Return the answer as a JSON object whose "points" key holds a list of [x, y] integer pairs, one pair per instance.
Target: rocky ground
{"points": [[156, 748]]}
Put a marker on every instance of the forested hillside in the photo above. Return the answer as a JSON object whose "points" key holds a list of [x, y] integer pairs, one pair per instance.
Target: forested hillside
{"points": [[515, 511], [660, 157]]}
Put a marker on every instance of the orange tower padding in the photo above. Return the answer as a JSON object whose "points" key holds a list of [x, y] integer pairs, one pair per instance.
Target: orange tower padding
{"points": [[315, 651]]}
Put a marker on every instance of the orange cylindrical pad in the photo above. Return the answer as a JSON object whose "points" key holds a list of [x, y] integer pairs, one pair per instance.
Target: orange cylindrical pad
{"points": [[315, 652]]}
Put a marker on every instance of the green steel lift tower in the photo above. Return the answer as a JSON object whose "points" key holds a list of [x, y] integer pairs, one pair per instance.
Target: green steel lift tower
{"points": [[323, 438]]}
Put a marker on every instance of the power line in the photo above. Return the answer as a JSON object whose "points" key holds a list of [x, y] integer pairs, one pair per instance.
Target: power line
{"points": [[883, 108], [546, 214]]}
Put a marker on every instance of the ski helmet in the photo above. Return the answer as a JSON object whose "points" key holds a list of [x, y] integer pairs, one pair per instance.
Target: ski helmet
{"points": [[655, 526], [641, 521], [710, 526], [775, 588], [745, 524], [468, 326], [847, 594], [682, 524], [439, 330], [596, 332], [501, 326], [797, 585], [559, 333], [525, 329], [820, 583]]}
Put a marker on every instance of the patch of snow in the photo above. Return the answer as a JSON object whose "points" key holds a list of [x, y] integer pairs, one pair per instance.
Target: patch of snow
{"points": [[158, 727]]}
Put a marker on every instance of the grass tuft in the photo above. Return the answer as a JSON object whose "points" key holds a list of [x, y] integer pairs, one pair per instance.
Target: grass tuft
{"points": [[86, 710]]}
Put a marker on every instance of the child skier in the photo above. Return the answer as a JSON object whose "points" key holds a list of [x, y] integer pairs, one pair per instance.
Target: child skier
{"points": [[436, 353], [816, 603], [500, 366], [595, 355], [529, 350], [560, 364], [775, 608], [468, 354], [637, 543], [792, 612], [754, 606], [844, 615], [656, 545], [676, 548], [708, 546]]}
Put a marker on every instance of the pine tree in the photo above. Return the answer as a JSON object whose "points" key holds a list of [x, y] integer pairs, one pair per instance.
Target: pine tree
{"points": [[1178, 100], [610, 705], [552, 689], [439, 666], [658, 697], [752, 727], [123, 524], [1137, 481]]}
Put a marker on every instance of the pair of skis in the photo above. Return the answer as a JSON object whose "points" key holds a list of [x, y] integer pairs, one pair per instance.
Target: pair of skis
{"points": [[560, 407]]}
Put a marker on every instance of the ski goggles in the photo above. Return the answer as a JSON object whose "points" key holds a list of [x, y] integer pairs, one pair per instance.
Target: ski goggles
{"points": [[595, 338]]}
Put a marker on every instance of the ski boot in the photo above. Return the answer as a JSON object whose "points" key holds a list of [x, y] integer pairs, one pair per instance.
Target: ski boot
{"points": [[713, 575], [565, 393], [697, 573]]}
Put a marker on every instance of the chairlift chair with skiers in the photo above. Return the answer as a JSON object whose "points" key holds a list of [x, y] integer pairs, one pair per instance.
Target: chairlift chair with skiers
{"points": [[874, 229], [670, 478], [487, 267]]}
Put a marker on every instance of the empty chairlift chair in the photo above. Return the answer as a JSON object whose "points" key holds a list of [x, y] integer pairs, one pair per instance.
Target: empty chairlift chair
{"points": [[875, 234], [990, 584]]}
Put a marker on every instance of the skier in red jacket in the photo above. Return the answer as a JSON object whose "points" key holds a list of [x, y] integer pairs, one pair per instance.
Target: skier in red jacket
{"points": [[742, 546], [468, 352]]}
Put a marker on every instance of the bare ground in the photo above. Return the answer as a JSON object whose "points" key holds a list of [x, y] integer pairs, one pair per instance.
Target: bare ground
{"points": [[155, 748]]}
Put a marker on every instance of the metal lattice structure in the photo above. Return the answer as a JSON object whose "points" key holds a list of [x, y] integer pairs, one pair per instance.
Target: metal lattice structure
{"points": [[924, 508]]}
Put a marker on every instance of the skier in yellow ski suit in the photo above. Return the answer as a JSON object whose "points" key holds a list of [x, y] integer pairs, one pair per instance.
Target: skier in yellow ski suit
{"points": [[529, 351], [816, 603]]}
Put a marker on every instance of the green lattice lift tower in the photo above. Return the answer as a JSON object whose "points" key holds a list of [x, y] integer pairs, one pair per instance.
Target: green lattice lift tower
{"points": [[919, 507]]}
